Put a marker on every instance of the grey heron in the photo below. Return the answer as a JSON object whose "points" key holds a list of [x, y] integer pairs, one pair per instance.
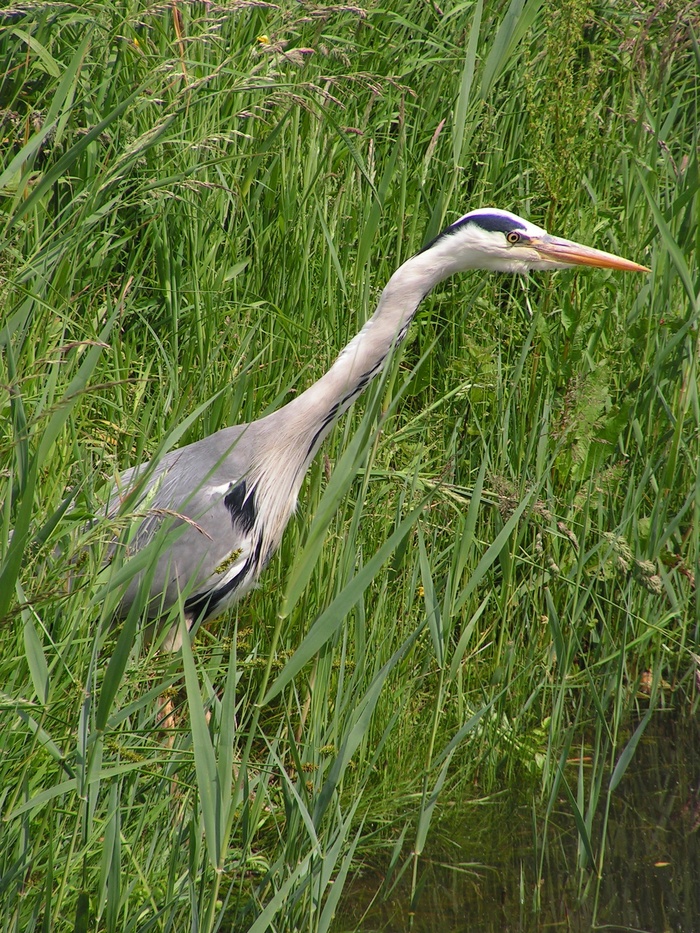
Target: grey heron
{"points": [[230, 496]]}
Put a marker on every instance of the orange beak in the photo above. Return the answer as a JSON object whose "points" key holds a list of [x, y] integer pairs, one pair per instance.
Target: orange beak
{"points": [[556, 249]]}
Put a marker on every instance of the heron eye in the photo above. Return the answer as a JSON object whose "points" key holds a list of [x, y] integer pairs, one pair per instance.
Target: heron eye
{"points": [[513, 237]]}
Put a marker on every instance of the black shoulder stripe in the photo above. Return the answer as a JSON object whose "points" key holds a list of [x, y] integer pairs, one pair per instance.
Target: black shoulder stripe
{"points": [[241, 505], [202, 606]]}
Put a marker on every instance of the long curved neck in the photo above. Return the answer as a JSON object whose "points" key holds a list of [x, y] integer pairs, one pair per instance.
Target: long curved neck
{"points": [[311, 415]]}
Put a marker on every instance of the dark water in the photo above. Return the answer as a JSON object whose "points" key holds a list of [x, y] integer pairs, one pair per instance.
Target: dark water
{"points": [[497, 868]]}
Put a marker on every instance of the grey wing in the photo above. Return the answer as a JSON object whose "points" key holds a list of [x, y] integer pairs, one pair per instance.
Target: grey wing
{"points": [[196, 510]]}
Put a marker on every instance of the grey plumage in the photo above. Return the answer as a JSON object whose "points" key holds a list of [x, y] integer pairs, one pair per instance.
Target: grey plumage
{"points": [[224, 501]]}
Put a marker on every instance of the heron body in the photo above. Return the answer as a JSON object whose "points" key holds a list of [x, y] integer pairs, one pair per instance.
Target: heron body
{"points": [[229, 496]]}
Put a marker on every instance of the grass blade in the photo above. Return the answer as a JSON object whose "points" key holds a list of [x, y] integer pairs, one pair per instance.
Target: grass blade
{"points": [[330, 621], [623, 762], [34, 652], [208, 787], [466, 85]]}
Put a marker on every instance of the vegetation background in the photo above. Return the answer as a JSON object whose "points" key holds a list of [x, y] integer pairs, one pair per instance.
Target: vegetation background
{"points": [[490, 584]]}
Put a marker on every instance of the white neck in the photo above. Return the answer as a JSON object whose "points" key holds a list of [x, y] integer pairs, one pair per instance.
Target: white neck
{"points": [[313, 413]]}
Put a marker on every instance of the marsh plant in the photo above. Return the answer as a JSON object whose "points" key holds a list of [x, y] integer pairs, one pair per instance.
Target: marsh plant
{"points": [[490, 582]]}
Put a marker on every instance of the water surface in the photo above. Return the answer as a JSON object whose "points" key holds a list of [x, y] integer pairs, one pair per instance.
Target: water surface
{"points": [[496, 867]]}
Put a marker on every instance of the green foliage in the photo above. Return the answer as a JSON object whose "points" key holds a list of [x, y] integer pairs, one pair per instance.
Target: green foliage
{"points": [[199, 205]]}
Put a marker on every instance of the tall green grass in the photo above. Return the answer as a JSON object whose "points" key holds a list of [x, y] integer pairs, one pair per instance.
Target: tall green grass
{"points": [[494, 560]]}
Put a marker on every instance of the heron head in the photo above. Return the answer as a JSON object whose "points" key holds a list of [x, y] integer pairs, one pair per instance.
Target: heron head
{"points": [[497, 240]]}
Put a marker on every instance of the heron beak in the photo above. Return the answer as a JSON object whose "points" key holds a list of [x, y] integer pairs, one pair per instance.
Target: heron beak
{"points": [[558, 250]]}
